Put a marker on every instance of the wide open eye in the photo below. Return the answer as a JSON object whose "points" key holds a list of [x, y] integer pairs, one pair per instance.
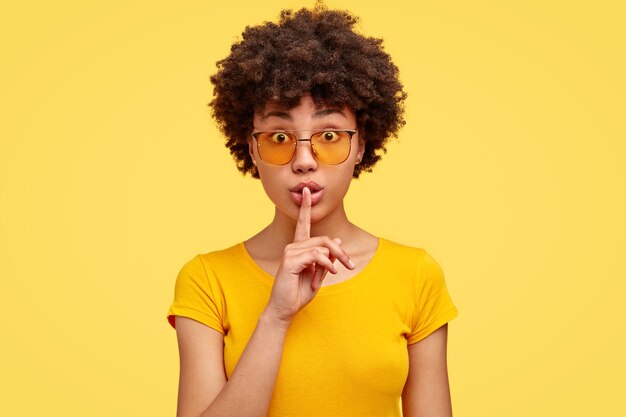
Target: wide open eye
{"points": [[279, 137], [329, 136]]}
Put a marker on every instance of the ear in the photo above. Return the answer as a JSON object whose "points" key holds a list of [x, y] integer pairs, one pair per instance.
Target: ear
{"points": [[251, 150], [361, 150]]}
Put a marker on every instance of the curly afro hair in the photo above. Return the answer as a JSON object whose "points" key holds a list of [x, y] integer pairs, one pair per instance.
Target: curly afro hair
{"points": [[311, 51]]}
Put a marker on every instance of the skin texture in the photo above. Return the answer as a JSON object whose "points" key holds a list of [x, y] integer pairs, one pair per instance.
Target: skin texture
{"points": [[427, 390], [304, 247]]}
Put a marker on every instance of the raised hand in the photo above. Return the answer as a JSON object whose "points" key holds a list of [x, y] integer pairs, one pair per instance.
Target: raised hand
{"points": [[304, 266]]}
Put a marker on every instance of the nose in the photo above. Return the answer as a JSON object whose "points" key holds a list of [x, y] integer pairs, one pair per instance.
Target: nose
{"points": [[303, 160]]}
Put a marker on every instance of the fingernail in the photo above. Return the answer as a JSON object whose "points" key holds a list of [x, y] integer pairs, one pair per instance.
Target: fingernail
{"points": [[351, 263]]}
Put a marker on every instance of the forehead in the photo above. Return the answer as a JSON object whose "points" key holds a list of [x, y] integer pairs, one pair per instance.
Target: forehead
{"points": [[305, 106]]}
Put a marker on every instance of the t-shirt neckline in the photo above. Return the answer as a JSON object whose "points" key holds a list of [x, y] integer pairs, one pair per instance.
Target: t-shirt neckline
{"points": [[325, 290]]}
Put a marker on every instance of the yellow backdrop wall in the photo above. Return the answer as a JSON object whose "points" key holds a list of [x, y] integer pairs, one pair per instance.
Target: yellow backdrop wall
{"points": [[510, 171]]}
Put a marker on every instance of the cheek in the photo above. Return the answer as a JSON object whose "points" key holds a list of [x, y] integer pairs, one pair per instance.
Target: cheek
{"points": [[272, 184], [268, 185], [342, 188], [346, 176], [338, 185]]}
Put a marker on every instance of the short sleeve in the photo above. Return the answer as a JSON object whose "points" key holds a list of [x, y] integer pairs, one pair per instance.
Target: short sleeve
{"points": [[196, 296], [432, 305]]}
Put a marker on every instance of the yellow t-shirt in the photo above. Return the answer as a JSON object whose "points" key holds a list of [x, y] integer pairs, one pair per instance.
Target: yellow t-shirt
{"points": [[345, 353]]}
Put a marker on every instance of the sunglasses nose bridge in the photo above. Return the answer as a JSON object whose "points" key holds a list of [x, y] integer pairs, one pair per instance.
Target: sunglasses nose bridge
{"points": [[304, 157], [302, 145]]}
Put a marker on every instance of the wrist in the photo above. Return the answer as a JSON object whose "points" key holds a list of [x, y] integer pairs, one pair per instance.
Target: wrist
{"points": [[272, 319]]}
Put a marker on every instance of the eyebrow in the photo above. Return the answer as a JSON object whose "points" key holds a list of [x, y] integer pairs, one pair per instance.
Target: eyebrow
{"points": [[317, 115]]}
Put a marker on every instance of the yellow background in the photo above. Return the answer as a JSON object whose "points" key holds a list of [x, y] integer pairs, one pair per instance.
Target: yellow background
{"points": [[511, 172]]}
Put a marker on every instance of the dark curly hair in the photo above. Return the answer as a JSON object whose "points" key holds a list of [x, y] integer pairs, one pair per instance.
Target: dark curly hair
{"points": [[311, 51]]}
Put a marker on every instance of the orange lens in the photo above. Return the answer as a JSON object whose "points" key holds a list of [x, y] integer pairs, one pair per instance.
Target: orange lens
{"points": [[331, 147], [276, 148]]}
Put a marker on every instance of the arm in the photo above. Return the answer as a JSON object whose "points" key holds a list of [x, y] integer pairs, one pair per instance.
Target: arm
{"points": [[427, 392], [204, 390]]}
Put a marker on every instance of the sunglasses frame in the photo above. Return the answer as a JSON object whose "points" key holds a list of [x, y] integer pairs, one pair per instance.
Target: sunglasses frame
{"points": [[350, 133]]}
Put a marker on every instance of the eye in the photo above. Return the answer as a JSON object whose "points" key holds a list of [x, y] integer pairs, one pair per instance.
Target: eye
{"points": [[329, 136], [279, 137]]}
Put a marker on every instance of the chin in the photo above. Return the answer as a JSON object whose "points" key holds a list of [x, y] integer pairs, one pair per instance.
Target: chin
{"points": [[292, 211]]}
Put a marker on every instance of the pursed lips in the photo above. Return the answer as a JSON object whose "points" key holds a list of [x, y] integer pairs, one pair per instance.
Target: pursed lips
{"points": [[311, 185], [317, 191]]}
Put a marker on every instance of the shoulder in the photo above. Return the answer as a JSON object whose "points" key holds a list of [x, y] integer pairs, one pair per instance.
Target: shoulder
{"points": [[226, 254], [413, 261], [402, 253], [203, 265], [217, 256]]}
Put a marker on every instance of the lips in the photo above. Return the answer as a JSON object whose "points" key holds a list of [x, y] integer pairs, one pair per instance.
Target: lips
{"points": [[316, 192], [311, 185]]}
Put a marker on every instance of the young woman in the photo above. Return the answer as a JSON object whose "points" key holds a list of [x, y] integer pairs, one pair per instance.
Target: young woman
{"points": [[312, 316]]}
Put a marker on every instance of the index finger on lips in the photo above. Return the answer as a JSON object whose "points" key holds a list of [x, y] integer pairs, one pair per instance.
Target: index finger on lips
{"points": [[303, 226]]}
